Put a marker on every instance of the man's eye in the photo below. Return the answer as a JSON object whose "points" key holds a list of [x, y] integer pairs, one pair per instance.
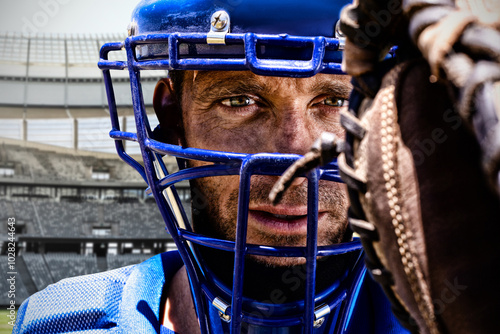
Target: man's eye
{"points": [[238, 101], [334, 101]]}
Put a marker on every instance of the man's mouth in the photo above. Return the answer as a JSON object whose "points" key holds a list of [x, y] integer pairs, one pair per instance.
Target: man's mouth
{"points": [[285, 217], [284, 221]]}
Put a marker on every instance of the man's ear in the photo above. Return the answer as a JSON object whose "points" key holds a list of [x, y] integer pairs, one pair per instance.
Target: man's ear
{"points": [[168, 111]]}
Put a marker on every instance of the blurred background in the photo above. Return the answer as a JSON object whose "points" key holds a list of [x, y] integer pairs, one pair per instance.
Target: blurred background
{"points": [[78, 208]]}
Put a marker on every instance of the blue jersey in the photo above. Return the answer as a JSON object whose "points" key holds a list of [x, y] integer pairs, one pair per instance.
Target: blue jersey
{"points": [[128, 300]]}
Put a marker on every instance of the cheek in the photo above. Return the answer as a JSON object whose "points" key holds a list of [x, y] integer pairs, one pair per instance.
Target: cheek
{"points": [[214, 206], [214, 133], [330, 123], [217, 195]]}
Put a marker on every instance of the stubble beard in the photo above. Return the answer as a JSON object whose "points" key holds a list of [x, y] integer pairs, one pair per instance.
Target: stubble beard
{"points": [[217, 218]]}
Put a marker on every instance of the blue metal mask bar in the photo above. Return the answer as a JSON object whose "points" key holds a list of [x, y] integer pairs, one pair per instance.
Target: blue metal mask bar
{"points": [[165, 54], [240, 246], [115, 123], [353, 291], [252, 249], [312, 248], [299, 68]]}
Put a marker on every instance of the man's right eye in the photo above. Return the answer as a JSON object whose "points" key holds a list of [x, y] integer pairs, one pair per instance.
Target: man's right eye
{"points": [[334, 101], [238, 101]]}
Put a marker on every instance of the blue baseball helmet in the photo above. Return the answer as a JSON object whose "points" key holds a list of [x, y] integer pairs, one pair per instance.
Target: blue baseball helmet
{"points": [[272, 38]]}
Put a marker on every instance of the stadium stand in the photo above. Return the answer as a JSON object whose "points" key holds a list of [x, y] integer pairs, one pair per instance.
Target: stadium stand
{"points": [[35, 164], [31, 167], [135, 219], [59, 207], [69, 167], [61, 221], [5, 212], [39, 271], [63, 265], [25, 211], [79, 209], [67, 219], [117, 261]]}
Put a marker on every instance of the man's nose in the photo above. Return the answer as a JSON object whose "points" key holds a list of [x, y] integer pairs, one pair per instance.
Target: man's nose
{"points": [[295, 132]]}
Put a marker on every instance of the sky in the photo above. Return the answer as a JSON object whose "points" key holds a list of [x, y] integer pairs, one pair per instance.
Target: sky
{"points": [[66, 16]]}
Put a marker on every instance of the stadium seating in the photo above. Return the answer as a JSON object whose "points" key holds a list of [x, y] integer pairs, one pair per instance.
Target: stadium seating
{"points": [[36, 164], [46, 198], [4, 211], [26, 211], [118, 261], [69, 167], [46, 217], [31, 166], [63, 265], [39, 272], [135, 219], [65, 219]]}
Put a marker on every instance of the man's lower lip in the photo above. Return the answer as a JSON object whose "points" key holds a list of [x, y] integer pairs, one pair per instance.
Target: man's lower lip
{"points": [[280, 223]]}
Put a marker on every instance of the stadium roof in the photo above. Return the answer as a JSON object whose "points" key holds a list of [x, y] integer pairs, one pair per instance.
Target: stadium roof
{"points": [[52, 71], [51, 90]]}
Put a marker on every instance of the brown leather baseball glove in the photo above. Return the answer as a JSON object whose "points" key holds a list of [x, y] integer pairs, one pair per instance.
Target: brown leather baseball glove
{"points": [[421, 158]]}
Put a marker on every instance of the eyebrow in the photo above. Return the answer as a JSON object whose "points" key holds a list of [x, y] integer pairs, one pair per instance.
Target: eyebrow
{"points": [[336, 88], [211, 88]]}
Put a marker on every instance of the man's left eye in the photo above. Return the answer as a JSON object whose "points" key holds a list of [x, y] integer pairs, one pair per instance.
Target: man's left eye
{"points": [[334, 101], [238, 101]]}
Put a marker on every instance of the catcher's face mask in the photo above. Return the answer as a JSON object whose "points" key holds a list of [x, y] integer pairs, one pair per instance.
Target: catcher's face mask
{"points": [[272, 38]]}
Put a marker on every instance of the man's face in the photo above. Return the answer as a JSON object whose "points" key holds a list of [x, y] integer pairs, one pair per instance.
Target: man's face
{"points": [[244, 112]]}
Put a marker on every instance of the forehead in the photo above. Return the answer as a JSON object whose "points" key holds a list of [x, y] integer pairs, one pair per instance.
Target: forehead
{"points": [[202, 81]]}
